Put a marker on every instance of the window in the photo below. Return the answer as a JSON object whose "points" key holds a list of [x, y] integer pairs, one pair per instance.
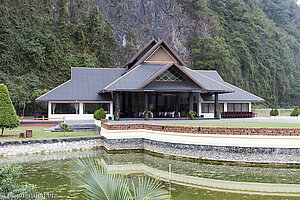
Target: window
{"points": [[210, 107], [65, 108], [237, 107], [245, 107], [204, 108], [90, 108]]}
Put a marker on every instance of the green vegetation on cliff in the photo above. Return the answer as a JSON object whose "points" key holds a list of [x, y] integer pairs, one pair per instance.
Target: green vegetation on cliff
{"points": [[253, 44], [37, 52]]}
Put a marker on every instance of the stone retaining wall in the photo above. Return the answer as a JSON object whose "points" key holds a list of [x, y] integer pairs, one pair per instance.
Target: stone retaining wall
{"points": [[205, 130]]}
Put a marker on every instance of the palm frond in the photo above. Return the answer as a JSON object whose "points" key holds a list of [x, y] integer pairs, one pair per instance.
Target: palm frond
{"points": [[149, 189], [98, 182]]}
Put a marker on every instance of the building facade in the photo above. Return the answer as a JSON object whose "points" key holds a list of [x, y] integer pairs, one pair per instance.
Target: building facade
{"points": [[155, 79]]}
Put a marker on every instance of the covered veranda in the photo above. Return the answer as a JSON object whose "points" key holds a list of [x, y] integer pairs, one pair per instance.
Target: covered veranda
{"points": [[161, 104]]}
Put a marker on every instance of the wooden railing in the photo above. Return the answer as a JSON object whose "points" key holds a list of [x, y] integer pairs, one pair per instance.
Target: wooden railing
{"points": [[41, 118]]}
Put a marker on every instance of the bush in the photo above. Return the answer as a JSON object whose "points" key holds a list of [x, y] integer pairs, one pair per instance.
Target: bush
{"points": [[274, 112], [100, 114], [9, 174], [295, 112]]}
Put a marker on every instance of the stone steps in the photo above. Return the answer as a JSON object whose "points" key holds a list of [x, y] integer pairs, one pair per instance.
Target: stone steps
{"points": [[75, 128]]}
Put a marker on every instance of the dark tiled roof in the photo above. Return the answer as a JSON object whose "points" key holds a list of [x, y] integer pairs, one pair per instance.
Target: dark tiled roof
{"points": [[133, 79], [238, 94], [84, 85], [208, 83]]}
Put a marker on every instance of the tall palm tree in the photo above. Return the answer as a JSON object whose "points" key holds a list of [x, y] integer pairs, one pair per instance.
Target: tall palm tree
{"points": [[102, 185]]}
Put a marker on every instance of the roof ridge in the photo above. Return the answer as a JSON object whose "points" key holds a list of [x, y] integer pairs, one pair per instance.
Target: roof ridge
{"points": [[209, 78], [140, 51], [98, 67]]}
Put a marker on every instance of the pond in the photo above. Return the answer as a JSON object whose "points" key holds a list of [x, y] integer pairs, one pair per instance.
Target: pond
{"points": [[190, 180]]}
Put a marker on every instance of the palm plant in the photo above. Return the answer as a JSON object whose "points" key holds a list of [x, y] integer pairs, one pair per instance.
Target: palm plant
{"points": [[192, 114], [100, 184], [64, 127]]}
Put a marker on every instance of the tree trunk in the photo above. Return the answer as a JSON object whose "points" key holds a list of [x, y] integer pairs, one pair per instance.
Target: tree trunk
{"points": [[2, 131]]}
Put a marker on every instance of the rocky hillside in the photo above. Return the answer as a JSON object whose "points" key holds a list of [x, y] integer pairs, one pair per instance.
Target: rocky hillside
{"points": [[253, 44]]}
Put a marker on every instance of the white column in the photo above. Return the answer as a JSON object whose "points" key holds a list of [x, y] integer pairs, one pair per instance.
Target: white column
{"points": [[250, 110], [49, 109], [225, 107], [199, 108], [111, 107], [80, 108]]}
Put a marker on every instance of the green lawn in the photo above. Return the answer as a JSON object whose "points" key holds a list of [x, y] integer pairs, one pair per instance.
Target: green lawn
{"points": [[39, 133], [241, 124]]}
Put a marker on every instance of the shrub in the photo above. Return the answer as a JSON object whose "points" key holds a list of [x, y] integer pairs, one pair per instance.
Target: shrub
{"points": [[100, 114], [8, 116], [295, 112], [9, 174], [274, 112]]}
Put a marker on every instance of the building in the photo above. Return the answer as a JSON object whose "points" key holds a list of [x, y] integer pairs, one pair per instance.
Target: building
{"points": [[154, 79]]}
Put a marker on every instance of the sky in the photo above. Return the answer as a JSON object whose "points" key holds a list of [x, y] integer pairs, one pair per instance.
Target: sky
{"points": [[299, 2]]}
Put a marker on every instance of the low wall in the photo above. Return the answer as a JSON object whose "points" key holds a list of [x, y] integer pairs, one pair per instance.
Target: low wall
{"points": [[266, 112], [205, 130]]}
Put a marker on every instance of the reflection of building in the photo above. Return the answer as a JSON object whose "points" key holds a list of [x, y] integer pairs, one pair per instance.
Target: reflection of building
{"points": [[155, 76], [252, 188]]}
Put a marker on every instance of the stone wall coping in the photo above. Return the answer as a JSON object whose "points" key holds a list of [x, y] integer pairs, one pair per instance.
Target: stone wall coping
{"points": [[47, 141], [265, 131]]}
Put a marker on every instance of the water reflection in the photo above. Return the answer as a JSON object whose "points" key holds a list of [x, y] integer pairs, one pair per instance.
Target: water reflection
{"points": [[191, 179]]}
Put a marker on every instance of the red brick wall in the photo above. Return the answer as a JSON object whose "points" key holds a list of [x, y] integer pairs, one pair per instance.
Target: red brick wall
{"points": [[205, 130]]}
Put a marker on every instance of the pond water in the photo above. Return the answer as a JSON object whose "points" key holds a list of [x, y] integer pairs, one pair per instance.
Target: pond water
{"points": [[189, 180]]}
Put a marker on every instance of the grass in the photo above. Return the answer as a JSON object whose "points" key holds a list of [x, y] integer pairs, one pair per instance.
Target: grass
{"points": [[39, 133], [241, 124]]}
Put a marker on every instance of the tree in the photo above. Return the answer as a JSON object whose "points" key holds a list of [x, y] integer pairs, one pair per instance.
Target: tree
{"points": [[8, 116], [100, 184]]}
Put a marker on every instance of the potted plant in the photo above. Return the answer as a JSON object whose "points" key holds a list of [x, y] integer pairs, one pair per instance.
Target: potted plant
{"points": [[219, 113], [146, 114], [192, 114], [117, 115]]}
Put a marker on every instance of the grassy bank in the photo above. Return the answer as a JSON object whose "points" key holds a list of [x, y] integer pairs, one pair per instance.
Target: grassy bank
{"points": [[241, 124], [39, 133]]}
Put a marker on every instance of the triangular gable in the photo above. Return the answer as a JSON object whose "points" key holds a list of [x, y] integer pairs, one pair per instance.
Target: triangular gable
{"points": [[161, 52], [141, 53], [161, 55], [171, 73]]}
